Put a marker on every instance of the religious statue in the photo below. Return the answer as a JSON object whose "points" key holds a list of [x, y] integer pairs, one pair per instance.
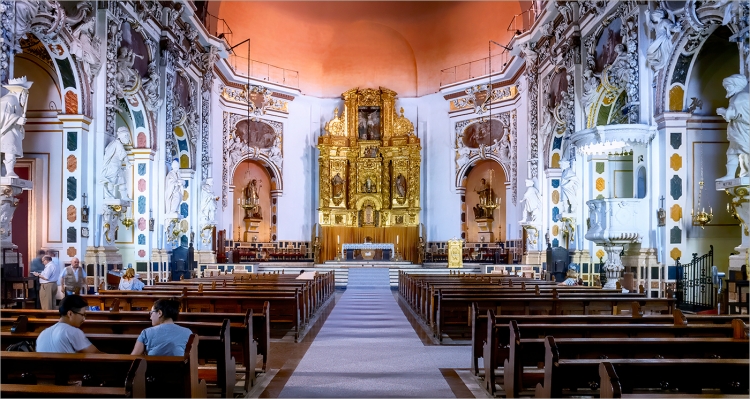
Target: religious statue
{"points": [[115, 163], [373, 126], [173, 190], [251, 192], [233, 152], [208, 202], [274, 153], [316, 250], [12, 121], [401, 185], [662, 22], [151, 88], [569, 184], [590, 84], [368, 186], [362, 125], [85, 46], [486, 197], [337, 184], [738, 128], [531, 201], [126, 77], [620, 68]]}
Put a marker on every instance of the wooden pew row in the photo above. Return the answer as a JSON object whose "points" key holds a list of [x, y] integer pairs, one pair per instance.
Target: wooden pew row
{"points": [[26, 386], [457, 310], [573, 377], [647, 379], [479, 327], [283, 310], [249, 332], [166, 376], [520, 369]]}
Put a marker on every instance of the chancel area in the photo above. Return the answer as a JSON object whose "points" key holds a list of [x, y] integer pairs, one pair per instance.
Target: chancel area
{"points": [[375, 199]]}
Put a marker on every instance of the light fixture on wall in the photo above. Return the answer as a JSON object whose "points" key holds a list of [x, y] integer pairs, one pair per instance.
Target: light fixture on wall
{"points": [[701, 218]]}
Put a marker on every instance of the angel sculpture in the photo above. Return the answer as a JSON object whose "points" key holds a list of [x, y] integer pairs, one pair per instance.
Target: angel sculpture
{"points": [[662, 22]]}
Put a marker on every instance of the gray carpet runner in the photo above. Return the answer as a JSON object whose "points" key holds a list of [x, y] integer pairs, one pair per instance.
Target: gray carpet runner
{"points": [[368, 349]]}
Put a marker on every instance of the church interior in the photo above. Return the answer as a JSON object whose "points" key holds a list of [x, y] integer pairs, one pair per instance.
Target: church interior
{"points": [[379, 198]]}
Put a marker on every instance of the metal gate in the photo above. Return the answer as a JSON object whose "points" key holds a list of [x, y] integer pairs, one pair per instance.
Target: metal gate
{"points": [[695, 288]]}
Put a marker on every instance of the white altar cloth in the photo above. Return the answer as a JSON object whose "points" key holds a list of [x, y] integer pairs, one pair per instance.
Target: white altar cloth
{"points": [[364, 246]]}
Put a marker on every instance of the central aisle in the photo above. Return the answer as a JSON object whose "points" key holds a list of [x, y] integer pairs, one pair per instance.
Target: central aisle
{"points": [[367, 348]]}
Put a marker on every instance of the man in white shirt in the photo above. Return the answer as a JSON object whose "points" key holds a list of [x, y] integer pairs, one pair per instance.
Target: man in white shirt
{"points": [[66, 336], [73, 279], [48, 280]]}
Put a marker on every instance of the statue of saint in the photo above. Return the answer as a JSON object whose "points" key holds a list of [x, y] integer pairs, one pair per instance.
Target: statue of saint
{"points": [[251, 192], [569, 184], [126, 77], [485, 192], [531, 201], [115, 160], [373, 126], [663, 24], [362, 125], [337, 184], [173, 190], [401, 185], [738, 128], [12, 120], [208, 202]]}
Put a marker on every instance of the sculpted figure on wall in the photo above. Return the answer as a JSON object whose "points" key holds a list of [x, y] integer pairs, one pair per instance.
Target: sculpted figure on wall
{"points": [[85, 47], [126, 77], [12, 121], [738, 128], [115, 164], [208, 202], [337, 184], [401, 185], [151, 88], [531, 201], [569, 186], [662, 23], [173, 190]]}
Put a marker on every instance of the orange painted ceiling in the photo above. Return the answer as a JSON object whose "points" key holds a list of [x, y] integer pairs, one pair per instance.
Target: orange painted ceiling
{"points": [[339, 45]]}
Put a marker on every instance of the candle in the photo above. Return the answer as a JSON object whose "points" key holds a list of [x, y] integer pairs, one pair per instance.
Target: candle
{"points": [[338, 241]]}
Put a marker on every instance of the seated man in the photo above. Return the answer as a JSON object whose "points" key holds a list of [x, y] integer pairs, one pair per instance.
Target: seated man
{"points": [[572, 275], [66, 336], [165, 338]]}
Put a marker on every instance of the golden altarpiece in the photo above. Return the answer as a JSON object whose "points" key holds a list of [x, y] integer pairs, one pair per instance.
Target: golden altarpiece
{"points": [[369, 175]]}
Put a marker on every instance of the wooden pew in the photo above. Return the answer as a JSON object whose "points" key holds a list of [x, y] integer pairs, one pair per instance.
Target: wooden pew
{"points": [[630, 379], [23, 371], [565, 377], [166, 376], [479, 328], [525, 353]]}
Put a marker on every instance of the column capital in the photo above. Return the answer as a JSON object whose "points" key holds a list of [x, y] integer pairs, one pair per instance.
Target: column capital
{"points": [[73, 121], [672, 119], [143, 153]]}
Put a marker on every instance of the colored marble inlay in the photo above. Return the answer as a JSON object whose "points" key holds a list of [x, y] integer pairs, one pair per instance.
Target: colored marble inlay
{"points": [[72, 142], [141, 253], [555, 230], [676, 95], [681, 68], [675, 140], [600, 184], [675, 212], [71, 103], [72, 163], [555, 197], [555, 183], [557, 143], [141, 169], [599, 196], [72, 213], [72, 251], [72, 188], [140, 141], [142, 224], [675, 253], [141, 185], [185, 195], [555, 242], [141, 204], [555, 163], [675, 162], [66, 72], [141, 239], [138, 117], [555, 214], [675, 235], [599, 168], [675, 187], [72, 234], [184, 161], [600, 254], [184, 210]]}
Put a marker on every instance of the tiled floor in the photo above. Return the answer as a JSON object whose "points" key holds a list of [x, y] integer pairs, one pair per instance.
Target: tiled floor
{"points": [[364, 345]]}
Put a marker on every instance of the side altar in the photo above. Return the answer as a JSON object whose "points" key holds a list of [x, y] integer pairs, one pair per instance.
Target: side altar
{"points": [[369, 175]]}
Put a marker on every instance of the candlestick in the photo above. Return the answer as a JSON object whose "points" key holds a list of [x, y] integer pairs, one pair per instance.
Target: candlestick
{"points": [[338, 241], [396, 239]]}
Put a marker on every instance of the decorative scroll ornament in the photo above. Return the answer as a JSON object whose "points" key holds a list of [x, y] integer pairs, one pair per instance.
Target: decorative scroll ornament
{"points": [[336, 126], [480, 97], [258, 98], [532, 76], [208, 59], [402, 126]]}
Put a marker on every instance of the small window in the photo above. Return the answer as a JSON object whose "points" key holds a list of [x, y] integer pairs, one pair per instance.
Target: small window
{"points": [[641, 182]]}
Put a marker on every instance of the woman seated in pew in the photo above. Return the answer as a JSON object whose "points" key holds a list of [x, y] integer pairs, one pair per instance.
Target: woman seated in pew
{"points": [[165, 338], [129, 282], [571, 275], [66, 336]]}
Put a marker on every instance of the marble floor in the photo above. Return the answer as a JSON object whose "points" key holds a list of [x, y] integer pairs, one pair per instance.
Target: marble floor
{"points": [[365, 344]]}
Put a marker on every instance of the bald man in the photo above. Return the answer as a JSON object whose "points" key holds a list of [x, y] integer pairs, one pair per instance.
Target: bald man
{"points": [[73, 279]]}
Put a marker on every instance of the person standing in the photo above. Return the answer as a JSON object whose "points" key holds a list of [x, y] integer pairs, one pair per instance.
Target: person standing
{"points": [[36, 264], [66, 336], [73, 279], [48, 281]]}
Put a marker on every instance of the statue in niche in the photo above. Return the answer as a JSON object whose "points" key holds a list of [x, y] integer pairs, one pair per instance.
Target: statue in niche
{"points": [[373, 126], [151, 88], [126, 77], [252, 199], [531, 201], [401, 185], [738, 128], [115, 161], [337, 184], [663, 24], [569, 184], [368, 186], [362, 125], [173, 190], [208, 202], [486, 196], [12, 121]]}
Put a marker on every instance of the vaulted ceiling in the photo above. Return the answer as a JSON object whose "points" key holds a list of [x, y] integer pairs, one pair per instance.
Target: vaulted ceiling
{"points": [[338, 45]]}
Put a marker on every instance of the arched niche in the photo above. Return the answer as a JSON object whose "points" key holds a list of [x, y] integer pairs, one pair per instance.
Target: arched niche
{"points": [[245, 172], [470, 198]]}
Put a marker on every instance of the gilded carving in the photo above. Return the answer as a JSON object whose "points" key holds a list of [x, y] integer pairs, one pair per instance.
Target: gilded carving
{"points": [[336, 126]]}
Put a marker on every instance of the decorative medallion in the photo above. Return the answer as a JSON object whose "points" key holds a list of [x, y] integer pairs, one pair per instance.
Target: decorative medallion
{"points": [[72, 251], [72, 213], [142, 224], [675, 162], [599, 168], [555, 197], [141, 185], [555, 230], [675, 253], [72, 163], [71, 103], [600, 184], [675, 187], [675, 235], [600, 254], [675, 140], [141, 253], [675, 212]]}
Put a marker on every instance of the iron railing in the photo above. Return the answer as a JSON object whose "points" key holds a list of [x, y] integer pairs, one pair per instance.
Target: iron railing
{"points": [[263, 71], [695, 288], [217, 27]]}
